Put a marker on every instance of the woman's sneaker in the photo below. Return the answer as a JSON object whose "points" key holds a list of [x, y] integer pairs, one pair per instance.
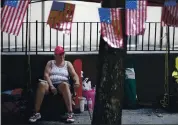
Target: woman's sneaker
{"points": [[35, 117], [70, 118]]}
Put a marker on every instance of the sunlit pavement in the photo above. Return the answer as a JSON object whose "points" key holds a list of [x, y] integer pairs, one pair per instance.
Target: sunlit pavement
{"points": [[149, 116]]}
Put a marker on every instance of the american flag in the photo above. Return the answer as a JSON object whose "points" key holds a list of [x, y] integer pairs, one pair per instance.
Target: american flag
{"points": [[170, 13], [61, 16], [111, 28], [12, 16], [136, 15]]}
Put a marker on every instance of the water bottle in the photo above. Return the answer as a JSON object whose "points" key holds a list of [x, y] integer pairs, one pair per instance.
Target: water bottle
{"points": [[85, 104], [90, 105], [94, 87]]}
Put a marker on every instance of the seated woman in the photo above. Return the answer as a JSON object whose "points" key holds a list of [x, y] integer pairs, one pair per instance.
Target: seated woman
{"points": [[56, 77]]}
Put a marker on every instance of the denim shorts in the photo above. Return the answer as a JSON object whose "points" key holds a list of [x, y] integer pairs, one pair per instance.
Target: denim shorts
{"points": [[58, 83], [55, 84]]}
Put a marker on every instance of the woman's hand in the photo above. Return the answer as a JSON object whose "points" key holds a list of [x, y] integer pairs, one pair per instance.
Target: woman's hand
{"points": [[73, 75], [76, 85], [53, 90]]}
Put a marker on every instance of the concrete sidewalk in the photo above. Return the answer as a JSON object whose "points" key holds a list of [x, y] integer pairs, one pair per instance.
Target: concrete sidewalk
{"points": [[149, 116], [139, 116]]}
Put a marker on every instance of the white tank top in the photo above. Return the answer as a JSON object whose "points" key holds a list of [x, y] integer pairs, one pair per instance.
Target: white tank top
{"points": [[59, 74]]}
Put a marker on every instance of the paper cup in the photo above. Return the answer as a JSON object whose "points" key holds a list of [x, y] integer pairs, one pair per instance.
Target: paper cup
{"points": [[82, 103]]}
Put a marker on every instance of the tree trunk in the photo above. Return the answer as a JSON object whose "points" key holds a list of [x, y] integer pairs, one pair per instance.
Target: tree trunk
{"points": [[111, 75]]}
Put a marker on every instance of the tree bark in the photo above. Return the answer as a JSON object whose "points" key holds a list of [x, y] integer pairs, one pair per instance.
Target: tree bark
{"points": [[111, 75]]}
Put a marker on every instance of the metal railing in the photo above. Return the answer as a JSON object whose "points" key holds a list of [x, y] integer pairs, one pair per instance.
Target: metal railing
{"points": [[84, 37]]}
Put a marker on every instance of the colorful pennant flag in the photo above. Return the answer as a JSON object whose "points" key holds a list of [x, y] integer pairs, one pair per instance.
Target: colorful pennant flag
{"points": [[61, 16], [12, 15], [170, 13], [111, 28], [136, 15]]}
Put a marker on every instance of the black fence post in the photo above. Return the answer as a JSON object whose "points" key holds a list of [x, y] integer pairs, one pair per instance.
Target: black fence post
{"points": [[57, 38], [50, 38], [15, 43], [9, 42], [97, 36], [142, 42], [29, 47], [161, 36], [43, 35], [155, 36], [77, 38], [22, 36], [173, 39], [90, 34], [136, 42], [36, 37], [84, 36], [70, 41], [2, 41], [63, 44], [149, 36], [129, 41]]}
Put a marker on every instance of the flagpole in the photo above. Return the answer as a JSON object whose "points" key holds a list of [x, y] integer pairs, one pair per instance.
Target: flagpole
{"points": [[111, 75], [27, 50]]}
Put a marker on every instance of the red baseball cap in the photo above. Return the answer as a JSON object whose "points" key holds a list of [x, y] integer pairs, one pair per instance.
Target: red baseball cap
{"points": [[59, 50]]}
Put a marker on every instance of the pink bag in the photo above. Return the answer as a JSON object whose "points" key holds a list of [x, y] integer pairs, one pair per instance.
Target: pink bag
{"points": [[90, 94]]}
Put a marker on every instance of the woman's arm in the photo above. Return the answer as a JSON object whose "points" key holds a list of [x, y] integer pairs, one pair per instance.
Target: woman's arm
{"points": [[73, 74], [46, 73]]}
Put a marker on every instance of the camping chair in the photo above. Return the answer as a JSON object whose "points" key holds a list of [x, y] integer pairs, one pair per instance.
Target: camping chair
{"points": [[56, 107]]}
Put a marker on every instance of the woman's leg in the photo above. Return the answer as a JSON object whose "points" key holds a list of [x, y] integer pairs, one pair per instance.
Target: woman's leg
{"points": [[42, 89], [64, 88]]}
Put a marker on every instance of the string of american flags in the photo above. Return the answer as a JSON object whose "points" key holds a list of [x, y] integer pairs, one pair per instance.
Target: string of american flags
{"points": [[61, 17]]}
